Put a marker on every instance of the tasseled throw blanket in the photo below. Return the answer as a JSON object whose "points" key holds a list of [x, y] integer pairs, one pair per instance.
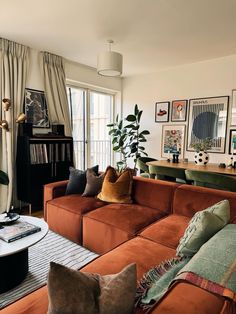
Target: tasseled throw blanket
{"points": [[212, 268]]}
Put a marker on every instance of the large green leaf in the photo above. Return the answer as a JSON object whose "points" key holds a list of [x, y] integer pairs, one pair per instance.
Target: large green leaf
{"points": [[111, 131], [120, 124], [117, 118], [114, 141], [139, 115], [3, 178], [131, 118], [145, 132], [116, 148], [143, 140], [129, 126], [110, 124], [136, 111]]}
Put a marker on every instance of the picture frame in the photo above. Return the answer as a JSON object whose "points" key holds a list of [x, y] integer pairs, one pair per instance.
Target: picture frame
{"points": [[173, 140], [232, 142], [208, 117], [162, 110], [35, 108], [179, 110], [233, 108]]}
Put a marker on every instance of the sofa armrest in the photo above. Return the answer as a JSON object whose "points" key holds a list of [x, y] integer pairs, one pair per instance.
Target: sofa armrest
{"points": [[51, 191]]}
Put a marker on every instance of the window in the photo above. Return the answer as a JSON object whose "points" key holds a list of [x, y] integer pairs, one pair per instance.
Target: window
{"points": [[90, 112]]}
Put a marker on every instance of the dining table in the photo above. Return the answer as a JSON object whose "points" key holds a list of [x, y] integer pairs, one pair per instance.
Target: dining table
{"points": [[190, 165]]}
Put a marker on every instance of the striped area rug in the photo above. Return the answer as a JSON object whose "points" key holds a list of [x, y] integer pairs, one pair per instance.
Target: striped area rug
{"points": [[52, 248]]}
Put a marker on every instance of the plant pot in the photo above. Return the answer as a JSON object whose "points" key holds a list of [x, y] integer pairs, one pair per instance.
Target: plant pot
{"points": [[201, 158]]}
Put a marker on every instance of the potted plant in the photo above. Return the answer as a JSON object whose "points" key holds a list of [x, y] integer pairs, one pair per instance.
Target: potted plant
{"points": [[127, 138], [3, 178], [201, 156]]}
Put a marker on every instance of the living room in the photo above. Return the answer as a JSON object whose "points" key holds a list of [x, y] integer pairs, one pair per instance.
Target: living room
{"points": [[117, 152]]}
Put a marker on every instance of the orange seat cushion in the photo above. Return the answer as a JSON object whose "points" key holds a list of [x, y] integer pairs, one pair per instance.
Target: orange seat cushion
{"points": [[114, 224], [144, 253], [167, 231], [64, 215]]}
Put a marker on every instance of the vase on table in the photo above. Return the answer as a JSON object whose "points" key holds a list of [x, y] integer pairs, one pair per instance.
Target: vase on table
{"points": [[201, 158]]}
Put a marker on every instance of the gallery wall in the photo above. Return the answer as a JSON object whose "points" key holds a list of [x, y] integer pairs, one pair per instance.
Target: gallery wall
{"points": [[211, 78]]}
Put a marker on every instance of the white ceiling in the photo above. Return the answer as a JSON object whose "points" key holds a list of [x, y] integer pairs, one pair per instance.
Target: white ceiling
{"points": [[151, 34]]}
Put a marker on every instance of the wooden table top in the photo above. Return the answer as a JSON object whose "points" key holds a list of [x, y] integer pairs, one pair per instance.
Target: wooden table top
{"points": [[210, 167]]}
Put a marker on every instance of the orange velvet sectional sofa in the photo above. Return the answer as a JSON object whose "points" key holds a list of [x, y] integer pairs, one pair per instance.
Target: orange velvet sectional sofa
{"points": [[146, 232]]}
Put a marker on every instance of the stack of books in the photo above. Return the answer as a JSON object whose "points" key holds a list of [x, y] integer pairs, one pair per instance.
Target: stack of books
{"points": [[18, 230]]}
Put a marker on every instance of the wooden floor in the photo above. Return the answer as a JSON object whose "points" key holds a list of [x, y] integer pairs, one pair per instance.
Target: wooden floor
{"points": [[34, 213]]}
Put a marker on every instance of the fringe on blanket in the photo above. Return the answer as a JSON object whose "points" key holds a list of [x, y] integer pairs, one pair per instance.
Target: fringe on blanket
{"points": [[152, 276], [229, 307]]}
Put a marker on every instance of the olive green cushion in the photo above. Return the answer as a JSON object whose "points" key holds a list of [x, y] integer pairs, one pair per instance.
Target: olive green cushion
{"points": [[202, 227]]}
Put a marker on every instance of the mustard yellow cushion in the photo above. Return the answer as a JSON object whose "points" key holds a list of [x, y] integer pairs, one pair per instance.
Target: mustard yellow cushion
{"points": [[116, 188]]}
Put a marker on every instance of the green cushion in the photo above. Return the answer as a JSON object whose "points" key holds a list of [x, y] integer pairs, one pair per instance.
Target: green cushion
{"points": [[202, 227]]}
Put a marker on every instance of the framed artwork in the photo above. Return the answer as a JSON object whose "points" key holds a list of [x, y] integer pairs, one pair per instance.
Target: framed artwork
{"points": [[35, 108], [179, 110], [162, 111], [233, 108], [172, 140], [232, 142], [208, 119]]}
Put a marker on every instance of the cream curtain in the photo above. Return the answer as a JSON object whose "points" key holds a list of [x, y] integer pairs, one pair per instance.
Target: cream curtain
{"points": [[14, 59], [55, 89]]}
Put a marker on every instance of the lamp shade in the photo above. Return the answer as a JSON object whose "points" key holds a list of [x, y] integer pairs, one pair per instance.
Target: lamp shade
{"points": [[109, 63]]}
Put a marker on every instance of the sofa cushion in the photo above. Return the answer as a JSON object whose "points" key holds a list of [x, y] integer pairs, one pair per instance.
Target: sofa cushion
{"points": [[64, 214], [116, 187], [94, 183], [114, 224], [167, 231], [154, 193], [77, 180], [190, 199], [143, 252], [114, 293], [202, 227]]}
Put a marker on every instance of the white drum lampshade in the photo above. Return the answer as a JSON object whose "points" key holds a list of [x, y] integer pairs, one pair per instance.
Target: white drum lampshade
{"points": [[109, 63]]}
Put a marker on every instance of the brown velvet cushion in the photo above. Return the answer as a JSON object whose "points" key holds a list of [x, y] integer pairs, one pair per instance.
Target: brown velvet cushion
{"points": [[117, 188], [94, 183], [73, 292]]}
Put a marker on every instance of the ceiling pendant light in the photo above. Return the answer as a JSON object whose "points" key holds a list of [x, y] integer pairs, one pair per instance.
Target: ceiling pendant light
{"points": [[109, 63]]}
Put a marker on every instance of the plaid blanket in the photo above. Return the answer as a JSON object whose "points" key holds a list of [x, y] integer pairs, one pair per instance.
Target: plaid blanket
{"points": [[212, 268]]}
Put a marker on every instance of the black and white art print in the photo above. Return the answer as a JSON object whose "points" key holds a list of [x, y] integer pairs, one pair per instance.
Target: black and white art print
{"points": [[208, 118], [36, 108]]}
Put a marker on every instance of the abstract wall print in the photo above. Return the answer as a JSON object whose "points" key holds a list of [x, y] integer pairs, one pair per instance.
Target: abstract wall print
{"points": [[233, 108], [208, 119], [179, 110], [162, 111], [173, 140], [36, 108], [232, 142]]}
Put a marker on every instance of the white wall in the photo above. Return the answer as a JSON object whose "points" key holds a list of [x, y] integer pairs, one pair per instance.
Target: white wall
{"points": [[204, 79]]}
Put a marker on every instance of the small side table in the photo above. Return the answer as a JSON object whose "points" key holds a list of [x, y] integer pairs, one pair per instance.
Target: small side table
{"points": [[14, 263]]}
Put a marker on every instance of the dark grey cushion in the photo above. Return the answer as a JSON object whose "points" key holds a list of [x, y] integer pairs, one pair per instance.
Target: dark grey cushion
{"points": [[77, 180], [94, 183]]}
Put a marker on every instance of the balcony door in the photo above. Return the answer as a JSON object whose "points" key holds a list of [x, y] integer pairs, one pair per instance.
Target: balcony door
{"points": [[90, 112]]}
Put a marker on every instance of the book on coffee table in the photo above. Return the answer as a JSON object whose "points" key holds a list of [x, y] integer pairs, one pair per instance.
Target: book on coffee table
{"points": [[18, 230]]}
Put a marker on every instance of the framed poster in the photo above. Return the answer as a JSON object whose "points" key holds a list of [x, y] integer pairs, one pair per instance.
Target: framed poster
{"points": [[179, 110], [162, 111], [35, 108], [208, 119], [232, 142], [233, 108], [172, 140]]}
